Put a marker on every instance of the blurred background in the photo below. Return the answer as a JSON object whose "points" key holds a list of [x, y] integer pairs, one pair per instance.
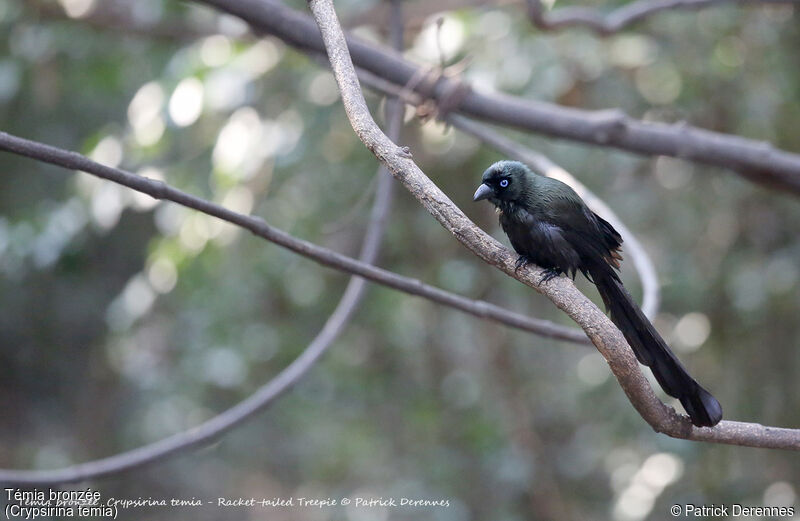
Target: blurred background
{"points": [[124, 321]]}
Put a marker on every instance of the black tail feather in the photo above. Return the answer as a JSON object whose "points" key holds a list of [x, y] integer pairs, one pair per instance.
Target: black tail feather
{"points": [[651, 350]]}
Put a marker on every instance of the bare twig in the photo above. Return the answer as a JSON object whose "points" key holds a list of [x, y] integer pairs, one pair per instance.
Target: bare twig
{"points": [[285, 380], [622, 17], [758, 161], [212, 429], [267, 394], [605, 336], [217, 426], [603, 23], [256, 225], [109, 17]]}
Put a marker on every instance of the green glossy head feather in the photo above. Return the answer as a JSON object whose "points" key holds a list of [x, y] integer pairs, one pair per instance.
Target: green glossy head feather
{"points": [[504, 181]]}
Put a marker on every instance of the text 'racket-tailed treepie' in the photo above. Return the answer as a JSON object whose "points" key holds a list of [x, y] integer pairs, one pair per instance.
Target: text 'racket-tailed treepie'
{"points": [[548, 224]]}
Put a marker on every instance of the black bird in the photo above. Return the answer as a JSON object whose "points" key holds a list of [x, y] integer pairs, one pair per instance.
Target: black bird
{"points": [[550, 225]]}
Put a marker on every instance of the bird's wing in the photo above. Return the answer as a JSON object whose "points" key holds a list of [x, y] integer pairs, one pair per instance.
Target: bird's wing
{"points": [[541, 241], [592, 237]]}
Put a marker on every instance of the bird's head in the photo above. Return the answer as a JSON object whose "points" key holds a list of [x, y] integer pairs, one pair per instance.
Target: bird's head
{"points": [[503, 181]]}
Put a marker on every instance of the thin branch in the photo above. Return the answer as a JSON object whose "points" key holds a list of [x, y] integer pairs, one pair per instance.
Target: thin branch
{"points": [[231, 418], [615, 21], [268, 393], [605, 336], [109, 17], [212, 429], [758, 161], [259, 227], [287, 378]]}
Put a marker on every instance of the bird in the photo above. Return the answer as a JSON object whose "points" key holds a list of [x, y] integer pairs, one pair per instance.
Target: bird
{"points": [[549, 225]]}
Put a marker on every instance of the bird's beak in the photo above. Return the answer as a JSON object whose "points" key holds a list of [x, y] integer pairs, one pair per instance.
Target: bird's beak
{"points": [[483, 192]]}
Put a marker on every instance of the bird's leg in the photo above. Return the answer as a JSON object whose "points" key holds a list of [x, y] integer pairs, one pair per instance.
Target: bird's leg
{"points": [[522, 261], [549, 274]]}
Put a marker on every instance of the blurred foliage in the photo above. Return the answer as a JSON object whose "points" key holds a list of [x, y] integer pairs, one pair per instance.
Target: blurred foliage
{"points": [[125, 321]]}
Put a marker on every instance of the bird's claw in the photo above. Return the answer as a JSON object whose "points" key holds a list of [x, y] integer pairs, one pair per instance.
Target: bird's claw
{"points": [[522, 261], [549, 274]]}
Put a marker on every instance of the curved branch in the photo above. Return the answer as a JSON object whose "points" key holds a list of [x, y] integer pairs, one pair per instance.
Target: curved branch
{"points": [[757, 161], [220, 424], [605, 336], [259, 227], [212, 429], [229, 419], [108, 17], [615, 21]]}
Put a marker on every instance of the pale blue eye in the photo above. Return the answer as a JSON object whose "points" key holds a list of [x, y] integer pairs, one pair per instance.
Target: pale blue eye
{"points": [[504, 183]]}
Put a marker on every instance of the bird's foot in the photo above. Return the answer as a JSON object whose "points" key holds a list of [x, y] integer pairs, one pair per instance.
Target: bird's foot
{"points": [[549, 274], [522, 261]]}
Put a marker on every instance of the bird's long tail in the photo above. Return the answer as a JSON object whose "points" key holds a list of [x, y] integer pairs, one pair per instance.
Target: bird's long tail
{"points": [[651, 350]]}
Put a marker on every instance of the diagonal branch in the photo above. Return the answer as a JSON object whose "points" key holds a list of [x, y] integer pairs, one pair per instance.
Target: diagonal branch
{"points": [[268, 393], [256, 225], [757, 161], [214, 428], [562, 292], [109, 17], [287, 378], [615, 21]]}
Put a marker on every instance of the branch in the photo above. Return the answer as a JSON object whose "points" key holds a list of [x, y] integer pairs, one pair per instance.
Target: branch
{"points": [[615, 21], [267, 394], [758, 161], [283, 381], [605, 336], [214, 428], [259, 227], [109, 17]]}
